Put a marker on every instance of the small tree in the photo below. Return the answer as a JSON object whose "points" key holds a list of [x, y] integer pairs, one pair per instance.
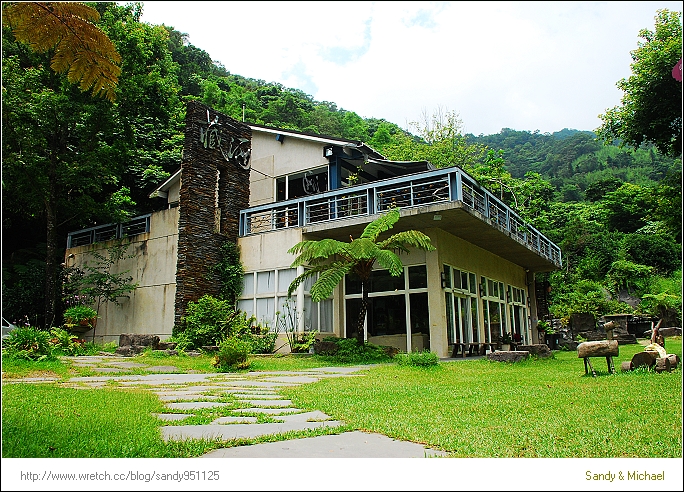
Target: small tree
{"points": [[97, 283], [358, 256]]}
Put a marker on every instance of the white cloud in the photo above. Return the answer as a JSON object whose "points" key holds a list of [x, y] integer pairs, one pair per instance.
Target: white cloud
{"points": [[522, 65]]}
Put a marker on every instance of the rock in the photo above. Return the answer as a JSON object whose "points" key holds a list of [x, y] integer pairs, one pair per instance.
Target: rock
{"points": [[167, 345], [192, 353], [540, 350], [166, 352], [569, 344], [126, 339], [508, 355], [325, 348], [210, 348], [666, 332]]}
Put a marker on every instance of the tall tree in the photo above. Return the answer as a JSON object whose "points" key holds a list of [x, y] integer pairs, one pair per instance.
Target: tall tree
{"points": [[358, 257], [651, 108], [79, 47]]}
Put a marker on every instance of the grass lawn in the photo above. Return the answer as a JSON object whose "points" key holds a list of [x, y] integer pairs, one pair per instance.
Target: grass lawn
{"points": [[470, 408], [538, 408]]}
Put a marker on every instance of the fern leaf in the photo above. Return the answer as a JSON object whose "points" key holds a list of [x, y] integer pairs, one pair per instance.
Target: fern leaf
{"points": [[361, 249], [389, 260], [403, 239], [312, 251], [328, 280], [381, 224], [83, 51]]}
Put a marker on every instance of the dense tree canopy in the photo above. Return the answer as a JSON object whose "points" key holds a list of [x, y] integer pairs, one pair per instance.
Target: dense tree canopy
{"points": [[651, 109], [71, 160]]}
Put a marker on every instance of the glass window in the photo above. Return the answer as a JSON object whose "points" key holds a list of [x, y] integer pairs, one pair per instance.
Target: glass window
{"points": [[447, 276], [382, 281], [352, 284], [246, 305], [285, 278], [472, 284], [265, 282], [310, 314], [417, 277], [387, 315], [449, 300], [326, 318], [420, 316], [265, 311], [248, 285]]}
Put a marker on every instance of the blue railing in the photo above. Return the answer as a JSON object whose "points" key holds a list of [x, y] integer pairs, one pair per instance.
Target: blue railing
{"points": [[137, 225], [428, 187]]}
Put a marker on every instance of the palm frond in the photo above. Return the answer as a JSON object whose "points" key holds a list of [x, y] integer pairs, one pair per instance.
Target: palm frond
{"points": [[82, 50], [381, 224], [301, 278], [401, 240], [389, 260], [361, 249], [328, 280], [310, 251]]}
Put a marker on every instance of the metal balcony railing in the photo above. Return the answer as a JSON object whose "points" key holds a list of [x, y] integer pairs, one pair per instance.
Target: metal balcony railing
{"points": [[428, 187], [97, 234]]}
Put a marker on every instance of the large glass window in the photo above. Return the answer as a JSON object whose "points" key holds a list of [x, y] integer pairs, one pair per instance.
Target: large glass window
{"points": [[517, 309], [397, 305], [461, 305], [493, 309]]}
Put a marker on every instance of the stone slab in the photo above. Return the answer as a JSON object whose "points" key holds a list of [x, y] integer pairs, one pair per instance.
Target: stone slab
{"points": [[234, 420], [315, 415], [268, 403], [346, 445], [190, 397], [195, 405], [126, 365], [174, 416], [236, 431], [268, 411]]}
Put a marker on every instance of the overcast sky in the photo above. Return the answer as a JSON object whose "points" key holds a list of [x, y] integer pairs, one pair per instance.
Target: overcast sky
{"points": [[523, 65]]}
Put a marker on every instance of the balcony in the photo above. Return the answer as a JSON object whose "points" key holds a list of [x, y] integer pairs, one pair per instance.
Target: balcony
{"points": [[436, 192], [97, 234]]}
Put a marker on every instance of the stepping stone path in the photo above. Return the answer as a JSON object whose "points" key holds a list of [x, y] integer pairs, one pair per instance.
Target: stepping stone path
{"points": [[244, 396]]}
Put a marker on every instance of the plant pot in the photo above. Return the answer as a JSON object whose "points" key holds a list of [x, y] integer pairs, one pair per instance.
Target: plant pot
{"points": [[81, 326], [505, 347]]}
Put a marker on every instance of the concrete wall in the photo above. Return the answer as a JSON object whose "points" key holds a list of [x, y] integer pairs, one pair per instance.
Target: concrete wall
{"points": [[272, 159], [150, 308]]}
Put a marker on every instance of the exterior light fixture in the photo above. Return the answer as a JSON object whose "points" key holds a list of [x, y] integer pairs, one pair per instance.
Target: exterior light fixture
{"points": [[443, 277], [327, 151]]}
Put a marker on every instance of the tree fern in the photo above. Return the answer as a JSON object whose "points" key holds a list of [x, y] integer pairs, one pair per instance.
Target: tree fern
{"points": [[358, 256]]}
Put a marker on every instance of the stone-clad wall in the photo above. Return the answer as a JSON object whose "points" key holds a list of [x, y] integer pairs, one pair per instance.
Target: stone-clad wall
{"points": [[215, 145]]}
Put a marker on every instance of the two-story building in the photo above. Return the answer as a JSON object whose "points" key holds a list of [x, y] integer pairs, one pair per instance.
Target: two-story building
{"points": [[291, 186]]}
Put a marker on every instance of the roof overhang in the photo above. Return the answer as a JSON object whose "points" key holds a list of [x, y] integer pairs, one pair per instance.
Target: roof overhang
{"points": [[454, 218]]}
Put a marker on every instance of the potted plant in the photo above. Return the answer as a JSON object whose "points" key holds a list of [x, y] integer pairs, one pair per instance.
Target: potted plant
{"points": [[80, 318], [506, 341]]}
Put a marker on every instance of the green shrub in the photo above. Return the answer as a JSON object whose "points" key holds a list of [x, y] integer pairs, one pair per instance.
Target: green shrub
{"points": [[232, 354], [65, 343], [75, 314], [28, 343], [349, 351], [206, 322], [418, 359]]}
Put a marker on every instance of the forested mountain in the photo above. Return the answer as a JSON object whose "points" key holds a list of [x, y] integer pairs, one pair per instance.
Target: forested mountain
{"points": [[71, 160]]}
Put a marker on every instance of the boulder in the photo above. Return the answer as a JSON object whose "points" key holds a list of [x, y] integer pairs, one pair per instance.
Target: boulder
{"points": [[508, 355], [540, 350], [126, 339]]}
